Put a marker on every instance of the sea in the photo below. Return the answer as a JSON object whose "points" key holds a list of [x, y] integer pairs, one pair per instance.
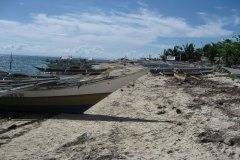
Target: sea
{"points": [[23, 64]]}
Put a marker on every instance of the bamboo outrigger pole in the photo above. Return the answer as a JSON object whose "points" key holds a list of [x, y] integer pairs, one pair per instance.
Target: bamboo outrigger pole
{"points": [[11, 60]]}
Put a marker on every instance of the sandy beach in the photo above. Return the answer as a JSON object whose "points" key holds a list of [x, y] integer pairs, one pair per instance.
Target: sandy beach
{"points": [[153, 117]]}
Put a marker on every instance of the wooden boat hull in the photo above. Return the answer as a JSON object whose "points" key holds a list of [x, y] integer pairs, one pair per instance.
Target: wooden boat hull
{"points": [[74, 99], [69, 104]]}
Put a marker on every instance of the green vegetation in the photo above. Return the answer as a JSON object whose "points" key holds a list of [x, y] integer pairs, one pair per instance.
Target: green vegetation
{"points": [[228, 51]]}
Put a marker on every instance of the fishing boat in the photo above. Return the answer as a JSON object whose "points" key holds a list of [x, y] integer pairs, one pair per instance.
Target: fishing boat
{"points": [[71, 70], [71, 66], [75, 98]]}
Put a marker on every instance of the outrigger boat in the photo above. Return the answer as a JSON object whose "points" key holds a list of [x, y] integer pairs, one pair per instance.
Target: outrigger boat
{"points": [[72, 70], [75, 98], [72, 66]]}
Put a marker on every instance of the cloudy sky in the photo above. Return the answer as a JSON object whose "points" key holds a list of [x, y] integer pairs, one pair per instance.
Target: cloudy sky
{"points": [[113, 28]]}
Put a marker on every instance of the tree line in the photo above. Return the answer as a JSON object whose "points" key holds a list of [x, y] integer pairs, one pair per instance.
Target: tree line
{"points": [[227, 50]]}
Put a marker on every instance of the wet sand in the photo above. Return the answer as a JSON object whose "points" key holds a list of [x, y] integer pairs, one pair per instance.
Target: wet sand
{"points": [[154, 117]]}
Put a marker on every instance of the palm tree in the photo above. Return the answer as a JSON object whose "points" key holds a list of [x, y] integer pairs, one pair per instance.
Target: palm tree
{"points": [[177, 52], [188, 50]]}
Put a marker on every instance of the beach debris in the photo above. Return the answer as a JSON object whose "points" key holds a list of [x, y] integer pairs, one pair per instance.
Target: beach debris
{"points": [[193, 107], [199, 101], [210, 136], [80, 140], [161, 112], [86, 156], [195, 77], [180, 76], [17, 125], [179, 123], [232, 140], [169, 152], [178, 111], [132, 84], [108, 156], [220, 102], [218, 136], [160, 107], [188, 115], [115, 103]]}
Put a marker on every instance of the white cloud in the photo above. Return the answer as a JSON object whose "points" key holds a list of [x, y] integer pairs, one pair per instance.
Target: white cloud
{"points": [[237, 20], [220, 7], [100, 34], [86, 51], [141, 4], [163, 46]]}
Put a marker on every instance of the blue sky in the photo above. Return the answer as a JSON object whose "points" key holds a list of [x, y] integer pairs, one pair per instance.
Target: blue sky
{"points": [[113, 28]]}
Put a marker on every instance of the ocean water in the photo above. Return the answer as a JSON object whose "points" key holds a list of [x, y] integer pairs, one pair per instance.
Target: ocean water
{"points": [[23, 64]]}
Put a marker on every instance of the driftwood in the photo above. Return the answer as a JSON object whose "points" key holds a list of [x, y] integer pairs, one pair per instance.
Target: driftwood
{"points": [[180, 76], [195, 77], [161, 73]]}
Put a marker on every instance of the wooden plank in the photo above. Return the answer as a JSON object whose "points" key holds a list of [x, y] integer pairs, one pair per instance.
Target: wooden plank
{"points": [[195, 77]]}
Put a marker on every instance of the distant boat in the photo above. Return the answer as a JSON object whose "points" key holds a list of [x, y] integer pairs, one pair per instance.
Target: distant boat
{"points": [[72, 70], [75, 98], [72, 66]]}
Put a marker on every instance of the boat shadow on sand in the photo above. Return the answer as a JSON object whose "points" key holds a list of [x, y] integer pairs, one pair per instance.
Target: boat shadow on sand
{"points": [[107, 118], [79, 117], [19, 120]]}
